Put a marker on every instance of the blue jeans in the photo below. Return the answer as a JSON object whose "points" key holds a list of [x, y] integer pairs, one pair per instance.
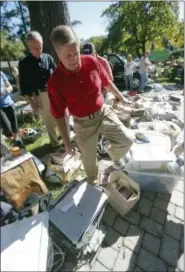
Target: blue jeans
{"points": [[128, 82], [105, 97], [143, 80]]}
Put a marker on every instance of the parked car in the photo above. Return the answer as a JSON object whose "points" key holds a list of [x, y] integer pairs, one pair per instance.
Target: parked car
{"points": [[153, 69], [118, 63]]}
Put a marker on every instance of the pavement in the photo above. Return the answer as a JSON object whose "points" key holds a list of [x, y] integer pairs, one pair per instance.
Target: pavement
{"points": [[149, 238]]}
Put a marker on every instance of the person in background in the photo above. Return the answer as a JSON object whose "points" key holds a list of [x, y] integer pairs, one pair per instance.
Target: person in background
{"points": [[34, 72], [129, 70], [143, 70], [15, 73], [105, 57], [182, 80], [77, 84], [89, 49], [172, 61], [8, 116]]}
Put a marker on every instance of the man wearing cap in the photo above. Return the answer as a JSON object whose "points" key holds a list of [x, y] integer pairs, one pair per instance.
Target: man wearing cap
{"points": [[76, 84], [89, 49]]}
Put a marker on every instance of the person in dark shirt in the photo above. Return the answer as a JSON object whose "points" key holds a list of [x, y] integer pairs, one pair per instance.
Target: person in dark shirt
{"points": [[34, 72]]}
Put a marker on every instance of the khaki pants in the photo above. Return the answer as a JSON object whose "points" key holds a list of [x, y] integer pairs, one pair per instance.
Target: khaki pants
{"points": [[47, 118], [87, 132]]}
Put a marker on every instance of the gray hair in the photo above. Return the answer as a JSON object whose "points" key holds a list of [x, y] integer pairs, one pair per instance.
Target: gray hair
{"points": [[34, 36], [63, 35]]}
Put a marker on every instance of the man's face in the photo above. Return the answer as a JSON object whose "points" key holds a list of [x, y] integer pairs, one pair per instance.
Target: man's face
{"points": [[147, 54], [69, 55], [35, 48]]}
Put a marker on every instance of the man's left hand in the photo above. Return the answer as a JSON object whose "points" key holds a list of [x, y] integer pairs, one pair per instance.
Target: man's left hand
{"points": [[124, 100]]}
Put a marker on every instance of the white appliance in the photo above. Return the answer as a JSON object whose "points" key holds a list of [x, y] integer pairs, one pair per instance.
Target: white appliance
{"points": [[24, 244]]}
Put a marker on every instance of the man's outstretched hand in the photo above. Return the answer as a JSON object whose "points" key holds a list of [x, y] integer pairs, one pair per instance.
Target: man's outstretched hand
{"points": [[71, 150], [124, 100]]}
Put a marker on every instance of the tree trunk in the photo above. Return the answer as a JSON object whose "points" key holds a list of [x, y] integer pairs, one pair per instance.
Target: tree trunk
{"points": [[22, 16], [143, 47], [137, 51], [9, 65], [44, 16]]}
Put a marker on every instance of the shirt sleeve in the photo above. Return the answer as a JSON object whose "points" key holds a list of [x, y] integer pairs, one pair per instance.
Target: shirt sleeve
{"points": [[4, 78], [52, 64], [24, 81], [57, 102], [109, 70], [147, 61], [102, 73]]}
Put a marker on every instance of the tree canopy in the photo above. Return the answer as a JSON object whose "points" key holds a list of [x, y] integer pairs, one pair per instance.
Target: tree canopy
{"points": [[139, 24], [97, 41], [15, 19], [11, 49], [132, 25]]}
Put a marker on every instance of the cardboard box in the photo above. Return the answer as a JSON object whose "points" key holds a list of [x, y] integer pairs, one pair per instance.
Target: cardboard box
{"points": [[115, 198]]}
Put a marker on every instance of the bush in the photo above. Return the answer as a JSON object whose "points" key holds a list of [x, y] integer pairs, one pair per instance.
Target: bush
{"points": [[177, 54], [26, 119]]}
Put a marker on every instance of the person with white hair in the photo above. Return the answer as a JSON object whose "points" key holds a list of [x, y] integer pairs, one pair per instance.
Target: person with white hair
{"points": [[129, 70], [15, 73], [34, 72], [143, 70]]}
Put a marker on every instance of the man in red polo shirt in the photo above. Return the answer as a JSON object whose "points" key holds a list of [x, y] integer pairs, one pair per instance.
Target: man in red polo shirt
{"points": [[76, 84]]}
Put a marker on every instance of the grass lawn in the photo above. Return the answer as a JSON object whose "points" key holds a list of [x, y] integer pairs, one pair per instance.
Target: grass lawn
{"points": [[40, 147]]}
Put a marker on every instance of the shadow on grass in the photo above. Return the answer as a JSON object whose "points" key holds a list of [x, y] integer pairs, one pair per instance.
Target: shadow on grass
{"points": [[166, 80], [41, 151], [41, 147]]}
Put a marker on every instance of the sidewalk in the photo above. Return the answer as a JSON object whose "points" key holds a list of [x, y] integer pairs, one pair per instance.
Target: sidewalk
{"points": [[148, 238]]}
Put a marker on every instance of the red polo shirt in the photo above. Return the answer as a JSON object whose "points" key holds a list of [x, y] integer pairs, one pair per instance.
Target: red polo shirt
{"points": [[80, 92]]}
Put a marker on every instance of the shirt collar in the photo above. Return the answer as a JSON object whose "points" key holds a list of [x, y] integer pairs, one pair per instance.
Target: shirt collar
{"points": [[37, 59], [67, 72]]}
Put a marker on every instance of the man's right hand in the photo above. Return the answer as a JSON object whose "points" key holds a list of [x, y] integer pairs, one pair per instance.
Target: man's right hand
{"points": [[71, 150], [30, 100], [34, 107], [37, 101]]}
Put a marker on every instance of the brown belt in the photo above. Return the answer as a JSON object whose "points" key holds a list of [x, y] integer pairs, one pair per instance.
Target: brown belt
{"points": [[91, 116]]}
